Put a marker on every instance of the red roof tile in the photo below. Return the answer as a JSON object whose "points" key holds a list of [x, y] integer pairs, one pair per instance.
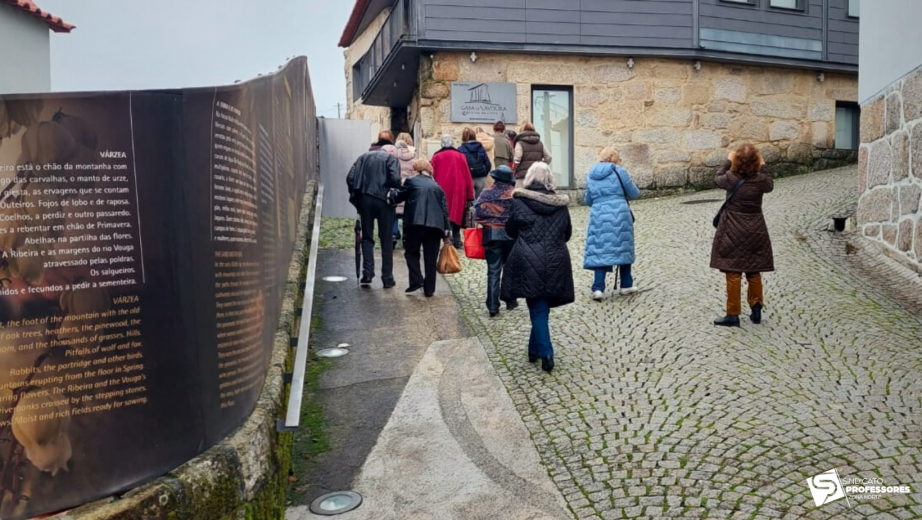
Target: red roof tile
{"points": [[355, 19], [54, 23]]}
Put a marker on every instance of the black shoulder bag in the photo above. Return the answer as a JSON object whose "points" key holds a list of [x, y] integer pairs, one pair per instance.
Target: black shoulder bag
{"points": [[626, 201], [723, 206]]}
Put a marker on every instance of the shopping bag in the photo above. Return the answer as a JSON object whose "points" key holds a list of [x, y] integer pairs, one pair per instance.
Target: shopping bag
{"points": [[473, 244], [449, 263], [469, 221]]}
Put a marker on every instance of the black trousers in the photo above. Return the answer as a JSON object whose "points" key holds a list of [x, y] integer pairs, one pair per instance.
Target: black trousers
{"points": [[429, 239], [371, 210], [497, 252]]}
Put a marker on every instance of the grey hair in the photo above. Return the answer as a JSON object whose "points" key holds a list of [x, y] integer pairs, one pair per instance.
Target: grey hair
{"points": [[447, 141], [540, 174], [389, 148], [401, 144]]}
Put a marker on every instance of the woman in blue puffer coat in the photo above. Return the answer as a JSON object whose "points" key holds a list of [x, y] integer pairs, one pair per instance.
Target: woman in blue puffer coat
{"points": [[610, 238]]}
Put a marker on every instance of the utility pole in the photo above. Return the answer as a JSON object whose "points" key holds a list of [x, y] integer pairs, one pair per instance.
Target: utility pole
{"points": [[339, 114]]}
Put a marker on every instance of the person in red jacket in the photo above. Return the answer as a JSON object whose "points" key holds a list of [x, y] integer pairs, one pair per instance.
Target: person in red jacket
{"points": [[452, 174]]}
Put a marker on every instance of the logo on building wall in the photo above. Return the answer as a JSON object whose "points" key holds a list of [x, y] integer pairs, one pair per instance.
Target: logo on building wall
{"points": [[483, 102]]}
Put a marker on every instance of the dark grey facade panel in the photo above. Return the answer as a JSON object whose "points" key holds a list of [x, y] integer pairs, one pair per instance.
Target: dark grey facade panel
{"points": [[516, 4], [843, 37], [455, 35], [554, 5], [766, 19], [636, 31], [453, 12], [843, 58], [552, 15], [845, 26], [552, 28], [651, 43], [788, 31], [653, 24], [476, 25], [660, 20], [846, 49], [635, 6], [553, 39]]}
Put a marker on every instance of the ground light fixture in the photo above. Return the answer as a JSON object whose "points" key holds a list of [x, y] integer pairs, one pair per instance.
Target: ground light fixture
{"points": [[334, 279], [338, 351], [336, 503]]}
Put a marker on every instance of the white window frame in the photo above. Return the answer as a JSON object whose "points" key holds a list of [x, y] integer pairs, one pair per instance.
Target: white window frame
{"points": [[856, 12], [800, 6]]}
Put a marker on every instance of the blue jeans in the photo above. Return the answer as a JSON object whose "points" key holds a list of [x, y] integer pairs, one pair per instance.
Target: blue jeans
{"points": [[397, 225], [624, 270], [539, 343]]}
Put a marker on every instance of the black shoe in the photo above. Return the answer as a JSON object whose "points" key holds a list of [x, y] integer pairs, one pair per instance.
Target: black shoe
{"points": [[756, 315], [429, 295], [365, 281], [494, 314], [414, 288], [390, 285], [532, 357], [511, 306], [547, 363], [728, 321]]}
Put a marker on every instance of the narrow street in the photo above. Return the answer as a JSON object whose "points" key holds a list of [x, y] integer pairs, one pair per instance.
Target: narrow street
{"points": [[653, 412]]}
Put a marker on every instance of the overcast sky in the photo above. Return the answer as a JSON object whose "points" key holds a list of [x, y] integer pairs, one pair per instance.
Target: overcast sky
{"points": [[141, 44]]}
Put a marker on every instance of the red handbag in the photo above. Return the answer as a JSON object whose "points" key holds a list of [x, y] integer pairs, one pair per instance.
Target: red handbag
{"points": [[473, 244]]}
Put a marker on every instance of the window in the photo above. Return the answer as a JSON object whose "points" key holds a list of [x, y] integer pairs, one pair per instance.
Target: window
{"points": [[848, 116], [854, 8], [552, 110], [787, 4]]}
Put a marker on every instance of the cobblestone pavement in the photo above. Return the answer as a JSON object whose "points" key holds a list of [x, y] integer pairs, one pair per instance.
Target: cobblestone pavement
{"points": [[652, 412]]}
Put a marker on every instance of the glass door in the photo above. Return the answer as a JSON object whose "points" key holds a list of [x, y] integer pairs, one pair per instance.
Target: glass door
{"points": [[552, 110]]}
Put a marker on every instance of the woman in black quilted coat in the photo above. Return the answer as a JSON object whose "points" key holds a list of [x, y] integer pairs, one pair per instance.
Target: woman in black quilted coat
{"points": [[741, 244], [538, 268]]}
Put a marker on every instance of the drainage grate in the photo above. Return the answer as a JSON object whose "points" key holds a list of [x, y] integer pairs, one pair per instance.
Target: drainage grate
{"points": [[702, 201]]}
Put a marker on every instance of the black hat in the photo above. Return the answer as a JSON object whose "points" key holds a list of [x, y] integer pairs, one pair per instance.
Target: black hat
{"points": [[503, 174]]}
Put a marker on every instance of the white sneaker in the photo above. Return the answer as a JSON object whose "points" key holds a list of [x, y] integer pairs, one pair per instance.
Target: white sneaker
{"points": [[598, 295], [629, 290]]}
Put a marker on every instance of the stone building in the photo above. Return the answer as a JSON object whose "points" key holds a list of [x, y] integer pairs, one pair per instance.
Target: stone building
{"points": [[673, 84], [890, 158], [25, 62]]}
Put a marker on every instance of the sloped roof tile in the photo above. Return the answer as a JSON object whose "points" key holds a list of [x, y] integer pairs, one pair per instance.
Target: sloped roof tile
{"points": [[55, 23]]}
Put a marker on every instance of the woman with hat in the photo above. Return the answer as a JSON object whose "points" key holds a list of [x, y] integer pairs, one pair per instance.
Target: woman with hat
{"points": [[491, 211]]}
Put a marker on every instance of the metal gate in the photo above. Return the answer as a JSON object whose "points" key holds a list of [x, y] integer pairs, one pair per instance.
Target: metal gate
{"points": [[342, 141]]}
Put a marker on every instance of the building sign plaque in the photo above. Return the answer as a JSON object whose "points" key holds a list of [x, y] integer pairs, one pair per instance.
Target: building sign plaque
{"points": [[483, 102]]}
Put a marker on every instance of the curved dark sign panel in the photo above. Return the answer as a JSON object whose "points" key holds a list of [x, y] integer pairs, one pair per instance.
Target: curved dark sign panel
{"points": [[145, 239]]}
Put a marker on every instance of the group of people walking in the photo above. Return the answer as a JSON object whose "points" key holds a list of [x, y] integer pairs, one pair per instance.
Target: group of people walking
{"points": [[505, 184]]}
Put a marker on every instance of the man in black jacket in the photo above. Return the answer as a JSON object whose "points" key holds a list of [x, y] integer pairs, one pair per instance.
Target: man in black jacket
{"points": [[372, 176]]}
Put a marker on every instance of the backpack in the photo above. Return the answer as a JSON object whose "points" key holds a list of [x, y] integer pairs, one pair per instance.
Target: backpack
{"points": [[474, 165]]}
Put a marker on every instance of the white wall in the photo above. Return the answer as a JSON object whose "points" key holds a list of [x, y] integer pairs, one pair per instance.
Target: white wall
{"points": [[890, 43], [25, 54]]}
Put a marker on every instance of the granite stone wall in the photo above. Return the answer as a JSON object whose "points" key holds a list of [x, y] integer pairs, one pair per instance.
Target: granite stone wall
{"points": [[672, 122], [890, 169]]}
